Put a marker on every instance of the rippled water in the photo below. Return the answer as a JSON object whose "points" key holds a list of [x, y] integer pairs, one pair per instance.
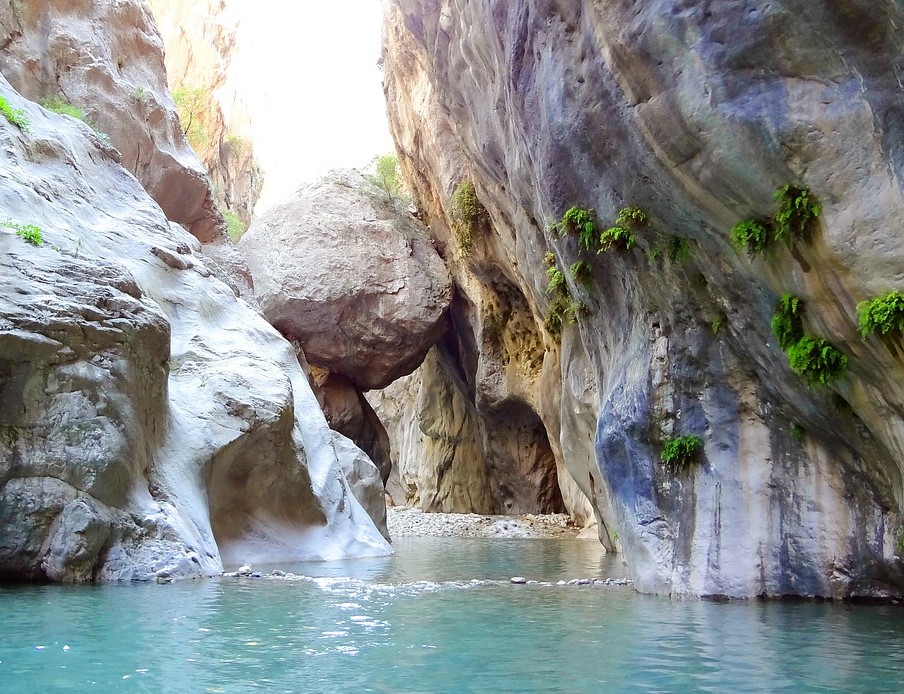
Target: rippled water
{"points": [[439, 616]]}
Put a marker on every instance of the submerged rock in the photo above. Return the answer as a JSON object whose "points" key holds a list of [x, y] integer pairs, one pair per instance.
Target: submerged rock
{"points": [[151, 424]]}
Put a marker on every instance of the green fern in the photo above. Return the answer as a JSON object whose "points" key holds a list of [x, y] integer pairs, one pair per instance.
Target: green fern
{"points": [[681, 451], [27, 232], [616, 236], [679, 249], [580, 221], [556, 281], [797, 210], [581, 273], [16, 116], [817, 360], [787, 323], [884, 314], [631, 218], [750, 235]]}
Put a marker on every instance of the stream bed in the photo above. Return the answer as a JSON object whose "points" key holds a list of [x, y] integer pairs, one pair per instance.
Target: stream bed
{"points": [[439, 616]]}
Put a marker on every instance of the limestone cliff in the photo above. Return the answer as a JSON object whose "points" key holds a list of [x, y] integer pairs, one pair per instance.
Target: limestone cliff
{"points": [[102, 60], [200, 40], [694, 114], [152, 424]]}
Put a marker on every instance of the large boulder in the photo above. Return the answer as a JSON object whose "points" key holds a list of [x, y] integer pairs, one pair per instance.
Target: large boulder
{"points": [[351, 276], [151, 423]]}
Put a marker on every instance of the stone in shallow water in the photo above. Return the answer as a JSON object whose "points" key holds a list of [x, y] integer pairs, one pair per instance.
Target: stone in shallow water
{"points": [[519, 580]]}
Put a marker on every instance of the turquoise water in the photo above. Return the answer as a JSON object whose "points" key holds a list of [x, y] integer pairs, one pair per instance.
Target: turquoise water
{"points": [[416, 622]]}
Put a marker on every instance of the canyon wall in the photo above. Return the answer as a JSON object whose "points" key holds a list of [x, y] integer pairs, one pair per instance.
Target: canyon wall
{"points": [[103, 59], [695, 113], [152, 424], [200, 40]]}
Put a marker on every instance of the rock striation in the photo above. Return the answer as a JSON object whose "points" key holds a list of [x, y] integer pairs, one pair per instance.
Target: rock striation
{"points": [[201, 40], [151, 423], [105, 57], [351, 277], [696, 114]]}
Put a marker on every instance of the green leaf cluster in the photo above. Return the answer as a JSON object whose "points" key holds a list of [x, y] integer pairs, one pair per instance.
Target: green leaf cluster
{"points": [[679, 249], [797, 210], [557, 282], [814, 358], [787, 323], [884, 314], [583, 223], [386, 174], [631, 218], [616, 236], [750, 235], [562, 307], [817, 360], [27, 232], [467, 213], [16, 116], [581, 273], [681, 451], [580, 221], [193, 104], [57, 104], [235, 227]]}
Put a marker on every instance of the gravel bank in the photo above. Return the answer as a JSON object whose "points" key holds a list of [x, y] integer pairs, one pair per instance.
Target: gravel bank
{"points": [[412, 522]]}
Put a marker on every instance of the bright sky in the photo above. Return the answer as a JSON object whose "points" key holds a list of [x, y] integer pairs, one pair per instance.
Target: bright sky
{"points": [[308, 69]]}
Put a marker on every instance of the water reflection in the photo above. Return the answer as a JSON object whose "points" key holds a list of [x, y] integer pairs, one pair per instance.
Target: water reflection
{"points": [[439, 616]]}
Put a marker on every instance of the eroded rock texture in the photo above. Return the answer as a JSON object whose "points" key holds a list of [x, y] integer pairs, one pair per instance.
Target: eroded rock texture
{"points": [[105, 57], [201, 41], [355, 280], [151, 424], [695, 112]]}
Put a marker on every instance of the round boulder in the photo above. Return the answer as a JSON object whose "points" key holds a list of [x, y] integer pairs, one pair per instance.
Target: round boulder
{"points": [[353, 277]]}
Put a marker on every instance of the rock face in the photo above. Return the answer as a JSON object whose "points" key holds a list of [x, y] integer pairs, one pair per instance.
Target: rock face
{"points": [[448, 458], [352, 278], [151, 424], [348, 412], [200, 40], [105, 57], [696, 113]]}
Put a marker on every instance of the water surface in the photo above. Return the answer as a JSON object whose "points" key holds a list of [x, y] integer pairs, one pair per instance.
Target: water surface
{"points": [[439, 616]]}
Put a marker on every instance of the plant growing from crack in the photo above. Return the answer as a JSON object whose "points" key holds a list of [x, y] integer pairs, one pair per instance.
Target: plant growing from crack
{"points": [[16, 116], [679, 452], [467, 213], [787, 324], [679, 249], [581, 273], [622, 235], [814, 358], [27, 232], [883, 314], [797, 210]]}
